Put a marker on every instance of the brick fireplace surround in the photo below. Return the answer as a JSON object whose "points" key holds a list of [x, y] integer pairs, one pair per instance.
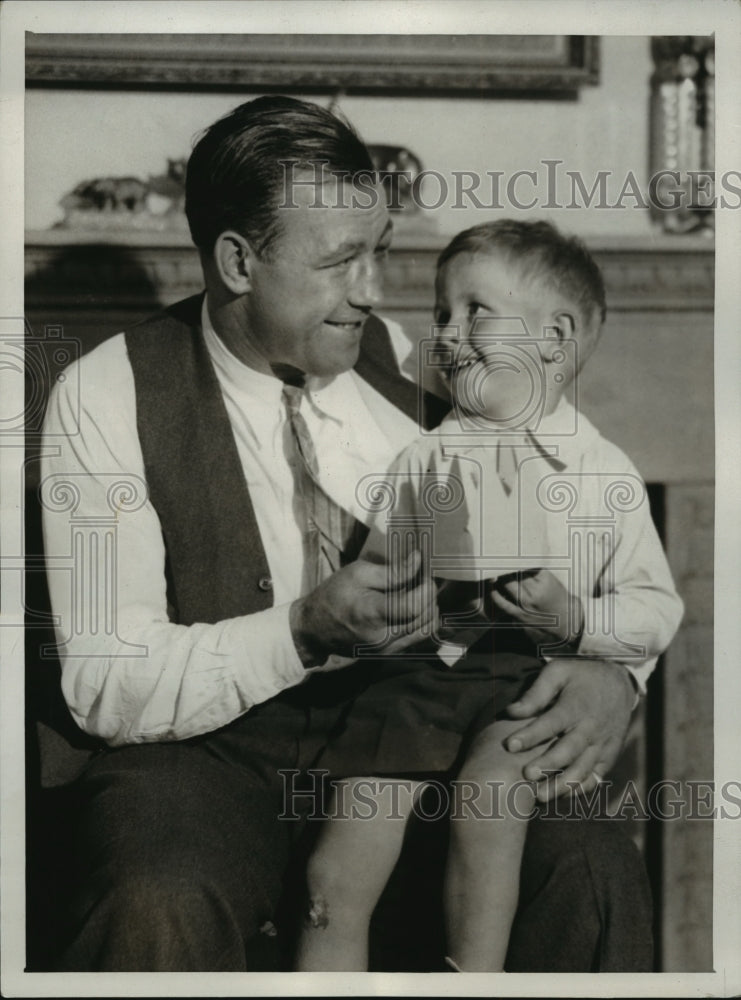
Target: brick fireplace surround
{"points": [[649, 388]]}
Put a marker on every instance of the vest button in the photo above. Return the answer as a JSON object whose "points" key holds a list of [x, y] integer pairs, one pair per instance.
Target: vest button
{"points": [[265, 583]]}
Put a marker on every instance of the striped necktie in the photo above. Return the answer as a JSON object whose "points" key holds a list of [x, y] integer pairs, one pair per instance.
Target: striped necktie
{"points": [[330, 529]]}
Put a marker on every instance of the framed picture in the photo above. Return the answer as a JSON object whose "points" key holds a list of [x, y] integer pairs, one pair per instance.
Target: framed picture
{"points": [[474, 63]]}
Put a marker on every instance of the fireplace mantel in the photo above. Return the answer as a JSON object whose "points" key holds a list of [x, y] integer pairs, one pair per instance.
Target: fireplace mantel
{"points": [[656, 273]]}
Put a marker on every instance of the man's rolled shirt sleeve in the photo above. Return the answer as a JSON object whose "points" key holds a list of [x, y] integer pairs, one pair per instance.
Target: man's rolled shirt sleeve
{"points": [[148, 679]]}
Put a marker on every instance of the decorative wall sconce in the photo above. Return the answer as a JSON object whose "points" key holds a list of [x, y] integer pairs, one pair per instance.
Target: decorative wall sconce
{"points": [[683, 131]]}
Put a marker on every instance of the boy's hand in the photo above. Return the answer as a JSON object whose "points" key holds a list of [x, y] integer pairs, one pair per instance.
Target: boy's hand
{"points": [[541, 592], [586, 705], [364, 604]]}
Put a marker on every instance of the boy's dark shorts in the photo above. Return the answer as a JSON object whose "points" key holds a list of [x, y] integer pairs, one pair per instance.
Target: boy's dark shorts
{"points": [[409, 717]]}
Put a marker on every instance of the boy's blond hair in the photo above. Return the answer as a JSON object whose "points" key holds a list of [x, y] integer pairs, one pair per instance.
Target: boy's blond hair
{"points": [[542, 253]]}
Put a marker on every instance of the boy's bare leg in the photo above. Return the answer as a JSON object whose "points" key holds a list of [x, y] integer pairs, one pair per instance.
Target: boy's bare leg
{"points": [[348, 871], [483, 873]]}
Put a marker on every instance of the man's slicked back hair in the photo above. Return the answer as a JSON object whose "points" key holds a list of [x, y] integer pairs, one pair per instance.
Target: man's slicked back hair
{"points": [[238, 169], [540, 253]]}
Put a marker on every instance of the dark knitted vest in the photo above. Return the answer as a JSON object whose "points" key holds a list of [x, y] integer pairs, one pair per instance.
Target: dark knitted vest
{"points": [[216, 564]]}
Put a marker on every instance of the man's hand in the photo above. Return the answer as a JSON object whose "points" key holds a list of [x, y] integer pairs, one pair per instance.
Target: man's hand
{"points": [[540, 592], [365, 604], [586, 707]]}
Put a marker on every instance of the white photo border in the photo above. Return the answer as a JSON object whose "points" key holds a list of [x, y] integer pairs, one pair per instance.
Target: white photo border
{"points": [[621, 17]]}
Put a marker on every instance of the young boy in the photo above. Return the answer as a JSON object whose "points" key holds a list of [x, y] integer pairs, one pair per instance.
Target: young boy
{"points": [[538, 532]]}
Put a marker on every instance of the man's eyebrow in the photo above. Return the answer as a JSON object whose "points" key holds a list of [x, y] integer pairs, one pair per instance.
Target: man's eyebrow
{"points": [[350, 246], [346, 247]]}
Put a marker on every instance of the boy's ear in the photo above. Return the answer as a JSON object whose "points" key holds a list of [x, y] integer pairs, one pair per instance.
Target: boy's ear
{"points": [[233, 257], [564, 325], [567, 324]]}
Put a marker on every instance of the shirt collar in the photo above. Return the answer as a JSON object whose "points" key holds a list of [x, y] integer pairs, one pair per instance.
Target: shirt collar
{"points": [[569, 430], [565, 433], [233, 372], [332, 397]]}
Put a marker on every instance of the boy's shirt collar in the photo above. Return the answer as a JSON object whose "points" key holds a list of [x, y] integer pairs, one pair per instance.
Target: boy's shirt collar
{"points": [[566, 433]]}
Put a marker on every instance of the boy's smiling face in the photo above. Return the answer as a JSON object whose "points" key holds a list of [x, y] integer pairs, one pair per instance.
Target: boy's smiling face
{"points": [[505, 331]]}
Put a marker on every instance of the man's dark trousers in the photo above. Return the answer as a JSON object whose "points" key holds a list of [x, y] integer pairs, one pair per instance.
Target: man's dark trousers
{"points": [[182, 858]]}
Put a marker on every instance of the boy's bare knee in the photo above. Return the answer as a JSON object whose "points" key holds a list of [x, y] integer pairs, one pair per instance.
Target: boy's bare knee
{"points": [[326, 875], [488, 759], [318, 912], [323, 886], [332, 893]]}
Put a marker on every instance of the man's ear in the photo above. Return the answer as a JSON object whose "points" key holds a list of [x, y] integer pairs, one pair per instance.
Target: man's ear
{"points": [[233, 258]]}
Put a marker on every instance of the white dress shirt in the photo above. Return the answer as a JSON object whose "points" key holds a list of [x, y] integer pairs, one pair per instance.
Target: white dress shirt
{"points": [[129, 674], [586, 519]]}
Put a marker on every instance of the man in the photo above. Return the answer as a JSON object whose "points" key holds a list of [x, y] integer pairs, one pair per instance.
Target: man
{"points": [[245, 413]]}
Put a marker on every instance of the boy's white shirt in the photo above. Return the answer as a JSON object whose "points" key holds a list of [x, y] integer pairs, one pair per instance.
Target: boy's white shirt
{"points": [[585, 517]]}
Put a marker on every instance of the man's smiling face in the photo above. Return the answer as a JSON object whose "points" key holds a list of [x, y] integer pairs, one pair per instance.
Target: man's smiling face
{"points": [[313, 289]]}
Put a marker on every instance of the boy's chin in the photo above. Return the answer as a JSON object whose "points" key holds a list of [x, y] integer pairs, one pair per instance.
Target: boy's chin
{"points": [[504, 420], [502, 405], [513, 414]]}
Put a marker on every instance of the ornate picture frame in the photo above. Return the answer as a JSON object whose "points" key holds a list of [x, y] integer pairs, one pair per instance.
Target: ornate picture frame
{"points": [[474, 63]]}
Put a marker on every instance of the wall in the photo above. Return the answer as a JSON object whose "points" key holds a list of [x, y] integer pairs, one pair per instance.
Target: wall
{"points": [[72, 135]]}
